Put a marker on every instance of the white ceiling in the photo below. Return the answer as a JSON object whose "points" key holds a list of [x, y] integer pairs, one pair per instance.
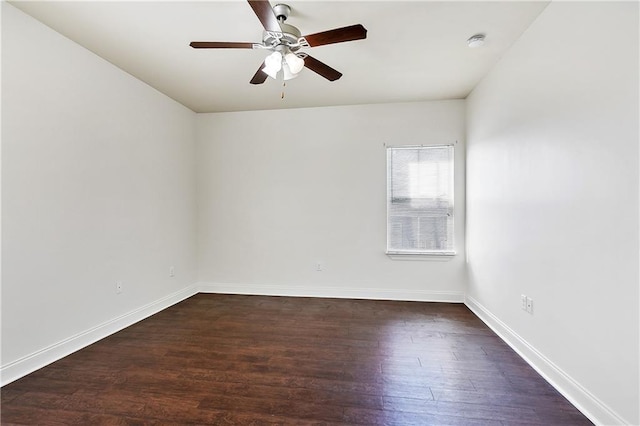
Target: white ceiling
{"points": [[414, 50]]}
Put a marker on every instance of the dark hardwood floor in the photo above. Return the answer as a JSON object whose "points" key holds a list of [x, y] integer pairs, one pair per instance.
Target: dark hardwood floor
{"points": [[226, 359]]}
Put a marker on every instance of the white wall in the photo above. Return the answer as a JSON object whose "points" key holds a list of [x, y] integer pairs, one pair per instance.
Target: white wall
{"points": [[98, 185], [280, 190], [552, 196]]}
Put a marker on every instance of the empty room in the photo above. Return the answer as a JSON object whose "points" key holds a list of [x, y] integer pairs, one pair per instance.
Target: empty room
{"points": [[335, 212]]}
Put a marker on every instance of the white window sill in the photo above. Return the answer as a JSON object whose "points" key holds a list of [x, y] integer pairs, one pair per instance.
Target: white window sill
{"points": [[437, 257]]}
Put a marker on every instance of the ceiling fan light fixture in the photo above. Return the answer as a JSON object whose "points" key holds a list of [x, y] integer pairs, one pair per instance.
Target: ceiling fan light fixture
{"points": [[294, 62]]}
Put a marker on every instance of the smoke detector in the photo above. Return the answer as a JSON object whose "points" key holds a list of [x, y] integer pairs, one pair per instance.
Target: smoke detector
{"points": [[476, 40]]}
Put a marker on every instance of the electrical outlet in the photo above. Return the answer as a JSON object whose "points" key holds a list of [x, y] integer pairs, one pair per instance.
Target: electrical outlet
{"points": [[530, 305], [523, 302], [118, 287], [172, 271]]}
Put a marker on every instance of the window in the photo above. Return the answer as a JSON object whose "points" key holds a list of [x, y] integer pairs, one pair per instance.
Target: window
{"points": [[420, 200]]}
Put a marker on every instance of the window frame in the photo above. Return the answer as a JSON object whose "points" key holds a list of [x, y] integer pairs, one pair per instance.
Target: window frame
{"points": [[420, 254]]}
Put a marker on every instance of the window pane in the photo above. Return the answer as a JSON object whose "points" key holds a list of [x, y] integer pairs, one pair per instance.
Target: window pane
{"points": [[420, 199]]}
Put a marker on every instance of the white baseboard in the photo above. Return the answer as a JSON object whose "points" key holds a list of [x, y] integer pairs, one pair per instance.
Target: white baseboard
{"points": [[32, 362], [594, 409], [333, 292]]}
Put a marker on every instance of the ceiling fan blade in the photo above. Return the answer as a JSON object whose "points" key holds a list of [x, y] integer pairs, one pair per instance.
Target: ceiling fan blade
{"points": [[220, 45], [338, 35], [321, 68], [264, 12], [260, 76]]}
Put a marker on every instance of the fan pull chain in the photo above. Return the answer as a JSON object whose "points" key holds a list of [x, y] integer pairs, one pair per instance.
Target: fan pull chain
{"points": [[284, 84]]}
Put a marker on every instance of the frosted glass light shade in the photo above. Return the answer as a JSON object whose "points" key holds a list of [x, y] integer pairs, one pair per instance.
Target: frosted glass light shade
{"points": [[288, 75], [273, 64], [295, 63]]}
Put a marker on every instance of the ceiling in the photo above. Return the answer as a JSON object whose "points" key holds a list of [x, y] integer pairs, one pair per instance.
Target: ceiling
{"points": [[414, 50]]}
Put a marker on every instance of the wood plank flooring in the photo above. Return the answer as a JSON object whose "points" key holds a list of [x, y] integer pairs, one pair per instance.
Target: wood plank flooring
{"points": [[242, 360]]}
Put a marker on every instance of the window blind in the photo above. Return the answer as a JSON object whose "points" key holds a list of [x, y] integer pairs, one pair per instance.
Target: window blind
{"points": [[420, 200]]}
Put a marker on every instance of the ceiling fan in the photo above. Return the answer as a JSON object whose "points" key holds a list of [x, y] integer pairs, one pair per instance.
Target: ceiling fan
{"points": [[286, 42]]}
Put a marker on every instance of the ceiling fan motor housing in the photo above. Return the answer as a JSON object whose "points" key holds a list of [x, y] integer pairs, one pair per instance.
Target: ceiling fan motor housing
{"points": [[290, 36]]}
